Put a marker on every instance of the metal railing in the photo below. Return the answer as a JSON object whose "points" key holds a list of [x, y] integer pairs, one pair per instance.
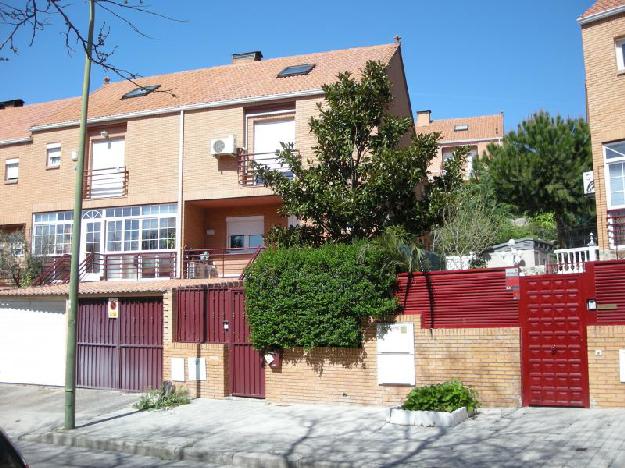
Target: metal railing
{"points": [[110, 182], [246, 165], [132, 266], [616, 228], [55, 270], [217, 263]]}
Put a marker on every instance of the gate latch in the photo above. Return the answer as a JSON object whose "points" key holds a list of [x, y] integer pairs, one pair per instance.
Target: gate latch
{"points": [[226, 325], [554, 349]]}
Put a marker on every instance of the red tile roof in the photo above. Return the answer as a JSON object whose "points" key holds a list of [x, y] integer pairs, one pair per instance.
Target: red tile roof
{"points": [[480, 128], [602, 6], [116, 287], [225, 83], [15, 122]]}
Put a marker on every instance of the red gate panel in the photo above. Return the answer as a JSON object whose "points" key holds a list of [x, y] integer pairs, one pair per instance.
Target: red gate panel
{"points": [[125, 353], [247, 367], [554, 359]]}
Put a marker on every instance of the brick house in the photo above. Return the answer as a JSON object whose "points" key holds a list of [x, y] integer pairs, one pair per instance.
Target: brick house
{"points": [[476, 132], [603, 35], [169, 190]]}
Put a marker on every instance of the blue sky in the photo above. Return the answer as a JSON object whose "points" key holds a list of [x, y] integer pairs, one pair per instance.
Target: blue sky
{"points": [[461, 57]]}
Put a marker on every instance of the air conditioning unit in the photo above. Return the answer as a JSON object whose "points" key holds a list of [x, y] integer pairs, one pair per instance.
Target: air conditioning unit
{"points": [[225, 146]]}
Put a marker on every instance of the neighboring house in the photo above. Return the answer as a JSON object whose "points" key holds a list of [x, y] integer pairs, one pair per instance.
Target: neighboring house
{"points": [[169, 190], [603, 34], [476, 132]]}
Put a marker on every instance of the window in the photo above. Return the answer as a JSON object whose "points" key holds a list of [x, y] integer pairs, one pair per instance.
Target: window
{"points": [[107, 178], [461, 128], [148, 227], [268, 138], [52, 233], [293, 70], [614, 154], [11, 170], [140, 91], [620, 54], [245, 232], [53, 155]]}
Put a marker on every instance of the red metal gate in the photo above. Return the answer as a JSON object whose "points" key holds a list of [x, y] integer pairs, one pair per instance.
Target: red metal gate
{"points": [[247, 367], [123, 353], [554, 358]]}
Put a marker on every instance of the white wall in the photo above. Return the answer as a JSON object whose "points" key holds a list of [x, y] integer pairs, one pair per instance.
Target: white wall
{"points": [[32, 341]]}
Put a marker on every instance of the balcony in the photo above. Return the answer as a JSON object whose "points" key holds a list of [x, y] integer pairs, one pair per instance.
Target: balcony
{"points": [[616, 229], [217, 263], [110, 182], [572, 260], [247, 162]]}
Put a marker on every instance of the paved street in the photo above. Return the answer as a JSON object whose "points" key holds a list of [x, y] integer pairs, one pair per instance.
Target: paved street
{"points": [[255, 433]]}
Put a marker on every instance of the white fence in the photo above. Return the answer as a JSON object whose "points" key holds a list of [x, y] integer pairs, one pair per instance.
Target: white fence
{"points": [[572, 260]]}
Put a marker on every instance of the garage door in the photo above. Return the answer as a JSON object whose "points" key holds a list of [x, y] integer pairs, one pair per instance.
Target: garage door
{"points": [[123, 353], [32, 341]]}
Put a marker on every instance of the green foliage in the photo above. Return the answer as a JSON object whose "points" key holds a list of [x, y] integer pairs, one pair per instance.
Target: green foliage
{"points": [[294, 236], [402, 250], [165, 397], [538, 169], [541, 226], [447, 396], [366, 175], [470, 224], [17, 263], [316, 297]]}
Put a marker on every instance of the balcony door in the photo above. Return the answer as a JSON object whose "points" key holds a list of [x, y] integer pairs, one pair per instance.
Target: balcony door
{"points": [[268, 136], [92, 245], [107, 168]]}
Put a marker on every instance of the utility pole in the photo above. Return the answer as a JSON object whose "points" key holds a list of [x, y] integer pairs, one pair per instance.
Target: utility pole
{"points": [[70, 362]]}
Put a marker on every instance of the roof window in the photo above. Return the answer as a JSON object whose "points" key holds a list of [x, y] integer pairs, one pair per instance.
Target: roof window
{"points": [[140, 91], [461, 128], [303, 69]]}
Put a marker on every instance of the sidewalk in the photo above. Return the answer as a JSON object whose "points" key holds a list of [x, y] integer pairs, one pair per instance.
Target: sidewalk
{"points": [[254, 433]]}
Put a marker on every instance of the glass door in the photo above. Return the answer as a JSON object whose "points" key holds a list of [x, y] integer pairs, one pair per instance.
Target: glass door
{"points": [[91, 249]]}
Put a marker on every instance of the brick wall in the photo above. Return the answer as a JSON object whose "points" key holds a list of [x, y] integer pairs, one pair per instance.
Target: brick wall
{"points": [[215, 355], [487, 359], [606, 389], [605, 88]]}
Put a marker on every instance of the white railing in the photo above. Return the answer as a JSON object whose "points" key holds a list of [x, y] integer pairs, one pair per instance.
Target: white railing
{"points": [[572, 260]]}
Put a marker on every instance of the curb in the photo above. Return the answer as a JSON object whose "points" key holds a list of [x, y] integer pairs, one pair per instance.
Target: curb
{"points": [[181, 453]]}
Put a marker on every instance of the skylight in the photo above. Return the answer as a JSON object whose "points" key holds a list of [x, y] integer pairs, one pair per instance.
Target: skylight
{"points": [[461, 128], [303, 69], [140, 91]]}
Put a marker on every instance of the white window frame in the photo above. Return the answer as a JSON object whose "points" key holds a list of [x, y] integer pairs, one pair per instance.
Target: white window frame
{"points": [[53, 222], [606, 173], [11, 162], [619, 48], [242, 219], [141, 218], [50, 147]]}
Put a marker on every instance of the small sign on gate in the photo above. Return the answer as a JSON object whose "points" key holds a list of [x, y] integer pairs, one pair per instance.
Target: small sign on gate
{"points": [[113, 308]]}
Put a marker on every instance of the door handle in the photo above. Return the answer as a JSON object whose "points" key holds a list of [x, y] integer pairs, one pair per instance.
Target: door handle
{"points": [[554, 349]]}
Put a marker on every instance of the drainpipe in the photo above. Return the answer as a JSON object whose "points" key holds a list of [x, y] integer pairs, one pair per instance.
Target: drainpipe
{"points": [[180, 201]]}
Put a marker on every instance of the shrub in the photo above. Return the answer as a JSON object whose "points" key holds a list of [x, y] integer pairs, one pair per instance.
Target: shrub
{"points": [[448, 396], [165, 397], [314, 297]]}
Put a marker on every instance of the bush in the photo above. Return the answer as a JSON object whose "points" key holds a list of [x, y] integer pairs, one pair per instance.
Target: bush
{"points": [[165, 397], [314, 297], [448, 396]]}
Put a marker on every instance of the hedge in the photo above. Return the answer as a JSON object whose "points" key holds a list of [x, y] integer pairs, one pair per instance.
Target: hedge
{"points": [[317, 297]]}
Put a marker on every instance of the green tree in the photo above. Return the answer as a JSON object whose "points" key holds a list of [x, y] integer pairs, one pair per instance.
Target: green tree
{"points": [[17, 263], [366, 173], [538, 169]]}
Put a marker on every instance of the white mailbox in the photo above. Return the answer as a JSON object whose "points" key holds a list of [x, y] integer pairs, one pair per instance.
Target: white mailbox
{"points": [[196, 368], [395, 353], [177, 369]]}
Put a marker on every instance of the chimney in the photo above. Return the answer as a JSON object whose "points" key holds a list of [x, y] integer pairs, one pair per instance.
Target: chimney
{"points": [[11, 103], [107, 80], [254, 56], [424, 118]]}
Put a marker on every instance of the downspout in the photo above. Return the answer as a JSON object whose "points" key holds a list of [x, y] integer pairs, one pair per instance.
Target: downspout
{"points": [[180, 201]]}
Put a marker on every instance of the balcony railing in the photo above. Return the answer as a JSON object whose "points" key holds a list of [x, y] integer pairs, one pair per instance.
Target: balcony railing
{"points": [[572, 260], [111, 182], [217, 263], [616, 229], [131, 266], [247, 162]]}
